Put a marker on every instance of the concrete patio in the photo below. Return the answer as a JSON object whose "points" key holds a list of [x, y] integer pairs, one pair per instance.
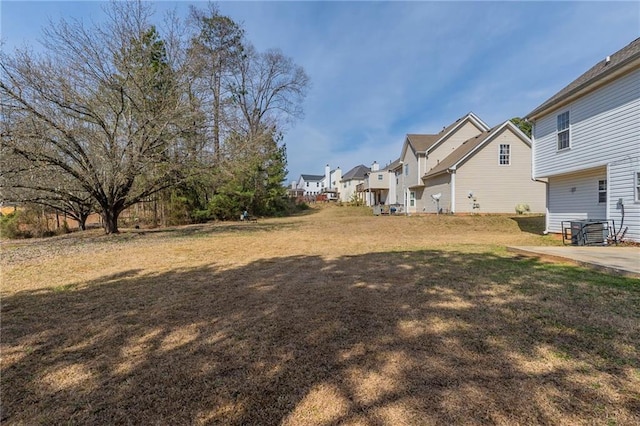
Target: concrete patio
{"points": [[611, 259]]}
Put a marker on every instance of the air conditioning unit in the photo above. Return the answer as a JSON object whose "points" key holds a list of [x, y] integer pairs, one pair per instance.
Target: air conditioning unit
{"points": [[589, 232]]}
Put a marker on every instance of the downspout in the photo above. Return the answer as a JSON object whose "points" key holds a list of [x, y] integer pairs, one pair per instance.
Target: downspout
{"points": [[608, 209], [453, 190]]}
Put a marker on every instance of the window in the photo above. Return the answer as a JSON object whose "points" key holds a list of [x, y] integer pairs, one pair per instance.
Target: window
{"points": [[379, 177], [563, 131], [307, 184], [412, 199], [637, 186], [406, 170], [505, 154], [602, 191]]}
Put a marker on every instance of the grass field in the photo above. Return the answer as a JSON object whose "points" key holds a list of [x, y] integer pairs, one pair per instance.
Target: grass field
{"points": [[333, 317]]}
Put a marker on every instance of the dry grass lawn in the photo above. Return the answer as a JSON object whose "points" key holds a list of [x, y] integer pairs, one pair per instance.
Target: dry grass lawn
{"points": [[333, 317]]}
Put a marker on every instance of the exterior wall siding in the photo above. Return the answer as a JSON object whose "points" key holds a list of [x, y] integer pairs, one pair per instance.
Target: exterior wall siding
{"points": [[446, 147], [410, 159], [575, 196], [499, 188], [347, 189], [405, 181], [397, 179], [391, 196], [621, 185], [438, 184], [604, 127]]}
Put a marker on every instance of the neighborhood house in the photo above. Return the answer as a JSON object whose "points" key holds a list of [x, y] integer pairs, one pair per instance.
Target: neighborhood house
{"points": [[586, 143]]}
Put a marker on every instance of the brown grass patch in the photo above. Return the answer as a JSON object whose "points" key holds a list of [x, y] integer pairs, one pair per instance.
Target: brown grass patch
{"points": [[334, 317]]}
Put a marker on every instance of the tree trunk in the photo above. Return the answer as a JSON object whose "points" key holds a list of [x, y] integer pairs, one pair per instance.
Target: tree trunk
{"points": [[82, 221], [110, 221], [216, 116]]}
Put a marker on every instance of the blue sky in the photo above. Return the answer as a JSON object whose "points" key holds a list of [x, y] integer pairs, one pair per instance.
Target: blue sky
{"points": [[380, 70]]}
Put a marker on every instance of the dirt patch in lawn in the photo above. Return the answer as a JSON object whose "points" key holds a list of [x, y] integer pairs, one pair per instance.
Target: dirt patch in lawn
{"points": [[330, 318]]}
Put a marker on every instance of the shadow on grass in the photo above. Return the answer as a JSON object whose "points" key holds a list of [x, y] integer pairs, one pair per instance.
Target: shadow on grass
{"points": [[531, 224], [211, 228], [387, 338]]}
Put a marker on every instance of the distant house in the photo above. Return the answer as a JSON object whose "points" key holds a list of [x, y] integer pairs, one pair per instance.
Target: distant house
{"points": [[586, 142], [488, 173], [379, 185], [310, 185], [330, 184], [350, 182], [421, 152]]}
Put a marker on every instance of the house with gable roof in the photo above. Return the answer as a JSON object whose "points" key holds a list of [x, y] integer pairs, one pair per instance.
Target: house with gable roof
{"points": [[586, 142], [309, 185], [422, 152], [350, 181], [488, 173]]}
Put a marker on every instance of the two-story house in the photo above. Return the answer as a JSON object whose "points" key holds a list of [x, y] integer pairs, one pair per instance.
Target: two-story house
{"points": [[350, 181], [310, 185], [586, 143], [379, 185], [488, 173], [421, 152]]}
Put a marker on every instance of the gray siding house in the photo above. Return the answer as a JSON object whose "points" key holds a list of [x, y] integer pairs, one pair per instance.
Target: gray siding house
{"points": [[586, 143]]}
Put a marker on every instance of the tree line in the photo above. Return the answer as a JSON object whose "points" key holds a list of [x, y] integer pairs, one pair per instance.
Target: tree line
{"points": [[112, 114]]}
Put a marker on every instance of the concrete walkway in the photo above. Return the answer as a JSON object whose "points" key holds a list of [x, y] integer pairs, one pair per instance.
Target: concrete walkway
{"points": [[611, 259]]}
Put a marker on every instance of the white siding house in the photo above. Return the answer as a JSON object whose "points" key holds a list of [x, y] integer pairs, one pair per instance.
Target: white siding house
{"points": [[310, 184], [586, 142]]}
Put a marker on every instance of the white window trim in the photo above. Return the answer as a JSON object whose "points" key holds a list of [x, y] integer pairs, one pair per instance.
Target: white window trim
{"points": [[636, 186], [508, 163], [600, 191], [568, 130]]}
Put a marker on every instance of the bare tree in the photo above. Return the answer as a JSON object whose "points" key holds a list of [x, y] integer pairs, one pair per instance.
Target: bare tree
{"points": [[215, 51], [25, 182], [102, 107], [269, 90]]}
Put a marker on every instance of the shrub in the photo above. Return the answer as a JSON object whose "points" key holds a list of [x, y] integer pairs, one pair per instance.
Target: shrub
{"points": [[201, 216], [522, 208], [10, 226]]}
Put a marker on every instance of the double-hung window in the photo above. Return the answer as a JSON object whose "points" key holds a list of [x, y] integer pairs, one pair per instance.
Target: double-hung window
{"points": [[602, 191], [637, 176], [564, 140], [505, 154]]}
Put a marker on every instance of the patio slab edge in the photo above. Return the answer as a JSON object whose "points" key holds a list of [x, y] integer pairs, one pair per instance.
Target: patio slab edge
{"points": [[539, 253]]}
